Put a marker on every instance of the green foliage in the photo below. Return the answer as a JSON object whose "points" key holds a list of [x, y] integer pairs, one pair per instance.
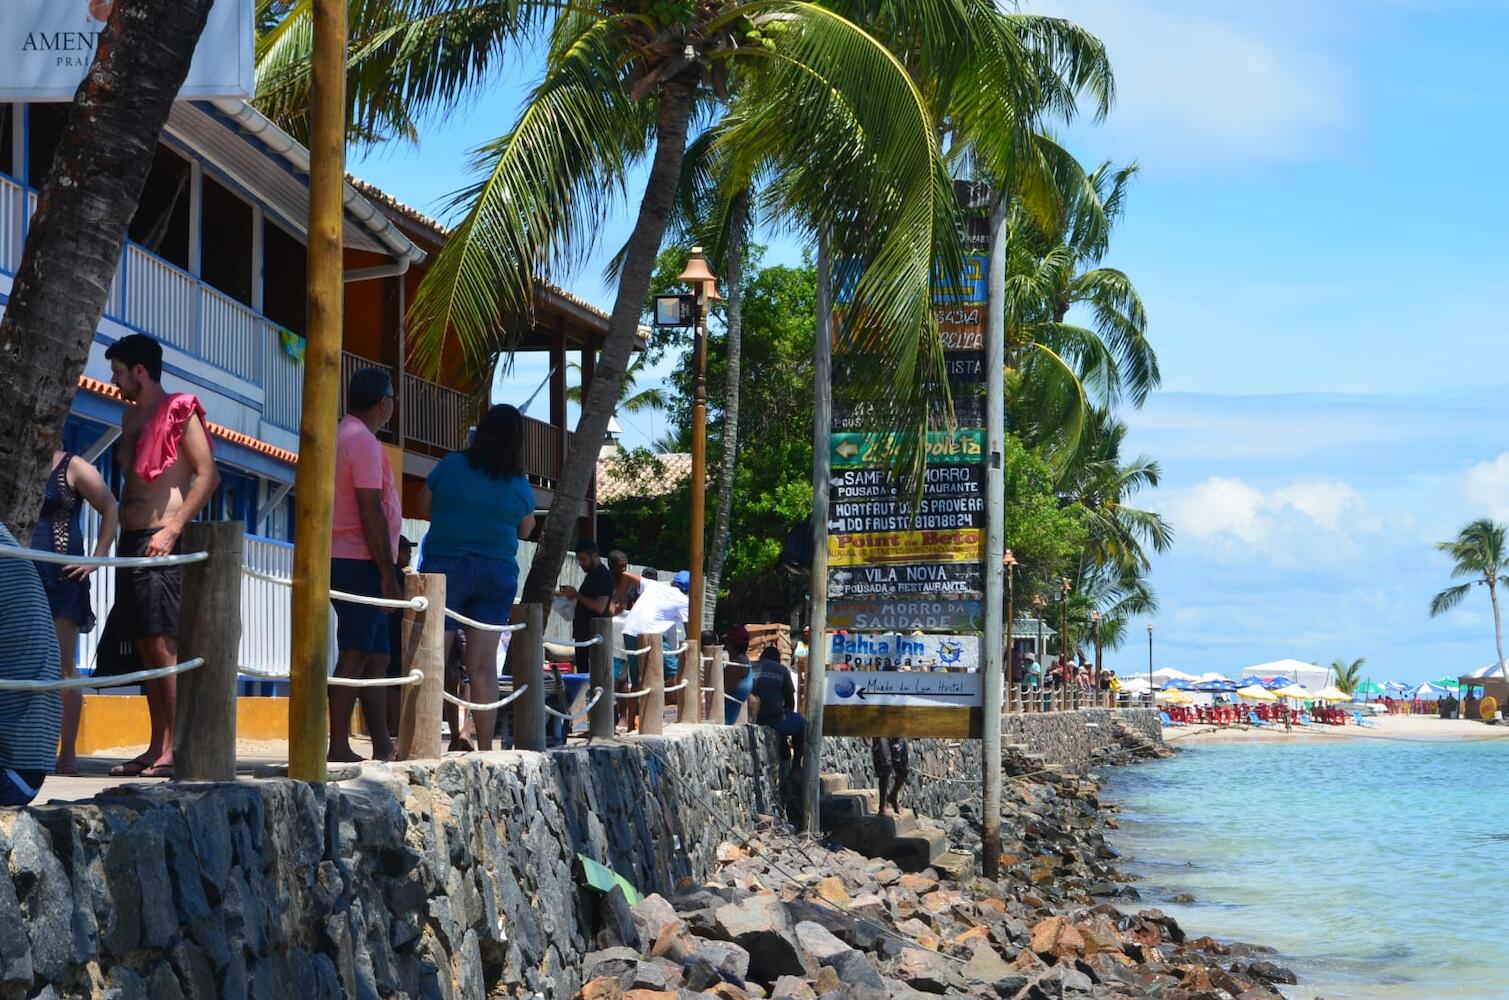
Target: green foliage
{"points": [[1347, 675], [1480, 552]]}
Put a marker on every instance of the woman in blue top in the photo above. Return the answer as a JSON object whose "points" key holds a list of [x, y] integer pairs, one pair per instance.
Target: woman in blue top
{"points": [[480, 505]]}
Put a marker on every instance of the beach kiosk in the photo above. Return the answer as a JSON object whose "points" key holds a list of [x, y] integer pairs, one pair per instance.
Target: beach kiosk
{"points": [[1482, 684]]}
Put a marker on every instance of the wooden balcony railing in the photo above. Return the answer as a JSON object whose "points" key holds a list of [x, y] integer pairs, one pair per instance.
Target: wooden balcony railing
{"points": [[543, 448]]}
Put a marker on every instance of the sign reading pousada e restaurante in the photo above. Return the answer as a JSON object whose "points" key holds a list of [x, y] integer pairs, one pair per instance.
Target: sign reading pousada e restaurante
{"points": [[46, 47]]}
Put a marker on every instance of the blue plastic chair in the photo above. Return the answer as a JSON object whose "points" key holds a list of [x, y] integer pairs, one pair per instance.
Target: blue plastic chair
{"points": [[1167, 722], [1303, 719], [1357, 718], [1252, 718]]}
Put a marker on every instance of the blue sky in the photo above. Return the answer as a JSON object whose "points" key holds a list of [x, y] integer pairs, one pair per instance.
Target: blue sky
{"points": [[1319, 238]]}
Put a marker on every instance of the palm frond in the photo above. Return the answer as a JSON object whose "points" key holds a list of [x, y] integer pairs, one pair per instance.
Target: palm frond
{"points": [[1448, 599]]}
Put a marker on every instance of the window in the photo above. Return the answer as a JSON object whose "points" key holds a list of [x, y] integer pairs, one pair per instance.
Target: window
{"points": [[7, 145], [226, 259], [44, 130], [161, 224], [283, 276]]}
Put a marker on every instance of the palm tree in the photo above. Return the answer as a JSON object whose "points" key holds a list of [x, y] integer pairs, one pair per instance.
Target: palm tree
{"points": [[1101, 484], [1479, 551], [808, 99], [1066, 370], [631, 398], [1348, 675], [73, 246]]}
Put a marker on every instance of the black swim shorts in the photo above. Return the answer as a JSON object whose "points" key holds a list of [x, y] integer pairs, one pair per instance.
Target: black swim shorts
{"points": [[146, 600]]}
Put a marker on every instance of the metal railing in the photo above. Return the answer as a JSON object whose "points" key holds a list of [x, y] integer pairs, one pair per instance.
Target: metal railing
{"points": [[10, 225], [435, 415]]}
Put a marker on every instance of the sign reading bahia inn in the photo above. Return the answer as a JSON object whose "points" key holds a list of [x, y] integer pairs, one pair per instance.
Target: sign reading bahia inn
{"points": [[47, 46]]}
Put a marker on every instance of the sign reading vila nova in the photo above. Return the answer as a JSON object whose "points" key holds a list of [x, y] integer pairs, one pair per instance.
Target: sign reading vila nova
{"points": [[47, 46], [950, 579]]}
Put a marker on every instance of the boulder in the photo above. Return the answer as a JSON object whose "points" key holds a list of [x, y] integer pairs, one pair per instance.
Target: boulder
{"points": [[818, 943], [1271, 972], [792, 988], [609, 963], [761, 926], [925, 970], [985, 966]]}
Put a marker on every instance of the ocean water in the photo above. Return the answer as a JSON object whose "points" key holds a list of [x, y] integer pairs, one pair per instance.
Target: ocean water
{"points": [[1378, 869]]}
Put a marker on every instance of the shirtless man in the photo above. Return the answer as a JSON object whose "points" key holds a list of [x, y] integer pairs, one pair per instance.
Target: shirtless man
{"points": [[170, 475]]}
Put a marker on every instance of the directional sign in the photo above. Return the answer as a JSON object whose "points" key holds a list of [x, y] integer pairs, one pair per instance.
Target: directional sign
{"points": [[917, 580], [963, 446], [895, 651], [958, 545], [970, 286], [961, 328], [903, 703], [894, 614], [931, 514], [877, 484]]}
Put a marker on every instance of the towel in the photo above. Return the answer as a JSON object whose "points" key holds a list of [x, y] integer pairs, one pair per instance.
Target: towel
{"points": [[157, 448]]}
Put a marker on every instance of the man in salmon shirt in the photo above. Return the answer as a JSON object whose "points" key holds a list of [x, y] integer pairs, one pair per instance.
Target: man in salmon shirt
{"points": [[365, 520], [170, 475]]}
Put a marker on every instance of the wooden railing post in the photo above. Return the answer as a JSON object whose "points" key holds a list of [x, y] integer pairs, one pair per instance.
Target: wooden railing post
{"points": [[715, 698], [689, 702], [600, 721], [652, 677], [526, 665], [204, 735], [424, 651]]}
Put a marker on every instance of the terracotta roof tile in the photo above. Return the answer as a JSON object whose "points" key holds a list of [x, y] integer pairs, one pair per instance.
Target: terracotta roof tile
{"points": [[643, 483], [109, 391]]}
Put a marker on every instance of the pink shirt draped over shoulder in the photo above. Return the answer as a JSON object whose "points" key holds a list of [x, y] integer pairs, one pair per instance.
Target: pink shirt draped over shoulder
{"points": [[157, 448]]}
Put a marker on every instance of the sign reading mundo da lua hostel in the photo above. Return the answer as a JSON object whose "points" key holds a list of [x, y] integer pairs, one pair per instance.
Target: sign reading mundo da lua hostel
{"points": [[47, 46], [904, 703]]}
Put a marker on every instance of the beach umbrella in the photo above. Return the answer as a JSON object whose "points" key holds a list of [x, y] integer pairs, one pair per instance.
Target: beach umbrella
{"points": [[1134, 685], [1250, 681], [1394, 687], [1221, 686], [1449, 683], [1332, 693], [1274, 683], [1256, 692], [1176, 696], [1296, 691], [1367, 687], [1178, 684], [1426, 691]]}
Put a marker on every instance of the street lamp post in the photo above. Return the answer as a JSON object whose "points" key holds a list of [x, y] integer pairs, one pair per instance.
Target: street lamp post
{"points": [[705, 283], [1150, 698], [1038, 605], [1071, 694], [1095, 624], [1010, 562]]}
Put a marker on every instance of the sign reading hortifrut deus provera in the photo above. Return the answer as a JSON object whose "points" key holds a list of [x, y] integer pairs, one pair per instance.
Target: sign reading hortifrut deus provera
{"points": [[47, 46], [903, 703]]}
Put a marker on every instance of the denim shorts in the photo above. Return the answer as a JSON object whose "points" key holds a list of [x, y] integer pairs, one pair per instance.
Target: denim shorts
{"points": [[359, 626], [479, 587]]}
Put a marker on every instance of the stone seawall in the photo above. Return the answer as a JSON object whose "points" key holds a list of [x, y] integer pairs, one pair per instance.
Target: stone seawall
{"points": [[946, 771], [411, 880]]}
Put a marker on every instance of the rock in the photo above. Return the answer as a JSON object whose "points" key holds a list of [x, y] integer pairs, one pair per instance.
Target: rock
{"points": [[792, 988], [985, 966], [730, 959], [649, 976], [619, 926], [651, 914], [603, 988], [925, 970], [701, 974], [818, 943], [15, 947], [761, 926], [1272, 972], [609, 963], [832, 889], [1056, 937], [855, 971]]}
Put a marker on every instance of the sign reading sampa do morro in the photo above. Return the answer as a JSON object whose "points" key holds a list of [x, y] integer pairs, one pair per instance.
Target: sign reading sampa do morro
{"points": [[46, 47]]}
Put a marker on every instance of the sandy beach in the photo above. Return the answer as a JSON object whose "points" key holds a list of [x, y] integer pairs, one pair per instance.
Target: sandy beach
{"points": [[1387, 727]]}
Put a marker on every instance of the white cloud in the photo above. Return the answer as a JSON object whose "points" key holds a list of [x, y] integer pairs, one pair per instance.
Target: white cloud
{"points": [[1487, 486], [1228, 511], [1196, 86]]}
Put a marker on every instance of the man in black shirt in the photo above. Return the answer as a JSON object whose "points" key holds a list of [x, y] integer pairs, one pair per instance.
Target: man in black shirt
{"points": [[591, 599], [773, 689]]}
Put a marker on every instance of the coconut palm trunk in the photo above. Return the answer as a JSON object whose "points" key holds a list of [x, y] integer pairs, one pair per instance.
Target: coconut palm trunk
{"points": [[73, 246], [674, 116], [733, 340], [1498, 621]]}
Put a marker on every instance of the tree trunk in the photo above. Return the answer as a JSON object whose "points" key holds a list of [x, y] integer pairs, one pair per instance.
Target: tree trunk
{"points": [[676, 98], [1498, 622], [734, 278], [73, 246]]}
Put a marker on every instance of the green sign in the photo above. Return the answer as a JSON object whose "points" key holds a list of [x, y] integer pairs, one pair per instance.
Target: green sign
{"points": [[963, 446]]}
